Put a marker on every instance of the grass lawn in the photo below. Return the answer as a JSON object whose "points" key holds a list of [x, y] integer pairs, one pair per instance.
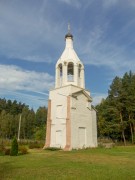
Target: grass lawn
{"points": [[117, 163]]}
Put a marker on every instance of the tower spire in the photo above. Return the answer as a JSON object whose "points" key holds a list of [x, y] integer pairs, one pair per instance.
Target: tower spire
{"points": [[69, 28]]}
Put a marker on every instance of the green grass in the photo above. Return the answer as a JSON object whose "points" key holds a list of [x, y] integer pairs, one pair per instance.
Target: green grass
{"points": [[117, 163]]}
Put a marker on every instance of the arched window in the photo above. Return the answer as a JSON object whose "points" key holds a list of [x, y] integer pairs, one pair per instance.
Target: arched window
{"points": [[60, 70], [79, 70], [70, 71]]}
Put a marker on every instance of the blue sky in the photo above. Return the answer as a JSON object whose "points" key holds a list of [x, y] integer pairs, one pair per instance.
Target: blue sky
{"points": [[32, 40]]}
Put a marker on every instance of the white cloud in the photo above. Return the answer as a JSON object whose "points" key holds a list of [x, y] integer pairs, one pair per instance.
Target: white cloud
{"points": [[14, 78]]}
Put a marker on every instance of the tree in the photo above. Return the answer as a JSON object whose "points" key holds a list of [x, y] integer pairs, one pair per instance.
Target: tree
{"points": [[40, 133], [41, 116], [14, 147], [116, 97], [128, 86], [116, 114]]}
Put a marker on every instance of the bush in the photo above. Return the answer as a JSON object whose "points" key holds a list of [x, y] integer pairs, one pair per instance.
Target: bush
{"points": [[6, 151], [35, 144], [23, 150], [14, 147], [1, 149]]}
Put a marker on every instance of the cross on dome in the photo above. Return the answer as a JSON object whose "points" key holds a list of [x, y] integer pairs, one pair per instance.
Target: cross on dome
{"points": [[68, 27]]}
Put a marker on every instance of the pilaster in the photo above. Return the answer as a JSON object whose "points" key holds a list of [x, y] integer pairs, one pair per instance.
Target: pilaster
{"points": [[68, 127], [48, 130], [76, 74]]}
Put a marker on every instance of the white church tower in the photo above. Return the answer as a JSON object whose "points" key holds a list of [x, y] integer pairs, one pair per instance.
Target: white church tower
{"points": [[71, 121]]}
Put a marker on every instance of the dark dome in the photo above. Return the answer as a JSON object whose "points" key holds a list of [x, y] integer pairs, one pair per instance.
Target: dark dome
{"points": [[69, 35]]}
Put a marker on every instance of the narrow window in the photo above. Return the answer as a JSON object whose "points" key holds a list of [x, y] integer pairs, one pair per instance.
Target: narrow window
{"points": [[60, 70], [60, 74], [79, 71], [70, 71]]}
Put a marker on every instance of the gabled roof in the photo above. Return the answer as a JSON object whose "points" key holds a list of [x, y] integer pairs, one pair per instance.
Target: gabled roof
{"points": [[83, 92]]}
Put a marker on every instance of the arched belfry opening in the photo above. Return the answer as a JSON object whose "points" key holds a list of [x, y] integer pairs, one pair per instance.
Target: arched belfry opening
{"points": [[79, 70], [60, 69], [79, 74], [70, 71]]}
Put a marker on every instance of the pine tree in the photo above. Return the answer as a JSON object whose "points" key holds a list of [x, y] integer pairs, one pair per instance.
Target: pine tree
{"points": [[116, 114]]}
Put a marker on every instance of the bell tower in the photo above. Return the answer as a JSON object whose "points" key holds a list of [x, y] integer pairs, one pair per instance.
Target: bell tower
{"points": [[69, 68], [71, 120]]}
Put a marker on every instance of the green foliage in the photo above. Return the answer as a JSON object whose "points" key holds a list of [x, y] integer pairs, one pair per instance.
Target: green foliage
{"points": [[35, 145], [116, 113], [40, 133], [14, 147], [1, 149], [7, 151], [4, 147], [41, 116], [31, 122], [23, 150]]}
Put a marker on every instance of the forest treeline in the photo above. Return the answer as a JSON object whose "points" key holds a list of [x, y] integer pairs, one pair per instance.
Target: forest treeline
{"points": [[32, 123], [116, 113]]}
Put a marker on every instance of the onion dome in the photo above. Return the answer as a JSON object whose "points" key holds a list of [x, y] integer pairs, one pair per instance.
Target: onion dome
{"points": [[69, 35]]}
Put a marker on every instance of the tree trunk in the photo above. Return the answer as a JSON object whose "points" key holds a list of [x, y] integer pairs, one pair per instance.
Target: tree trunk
{"points": [[132, 136], [131, 130], [123, 133], [134, 127]]}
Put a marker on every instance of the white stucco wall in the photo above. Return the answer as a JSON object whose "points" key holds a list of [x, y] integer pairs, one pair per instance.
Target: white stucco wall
{"points": [[82, 116], [58, 117], [58, 99]]}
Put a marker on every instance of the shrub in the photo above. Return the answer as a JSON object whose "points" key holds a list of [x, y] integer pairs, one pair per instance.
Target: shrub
{"points": [[1, 149], [35, 144], [23, 150], [6, 151], [14, 147]]}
